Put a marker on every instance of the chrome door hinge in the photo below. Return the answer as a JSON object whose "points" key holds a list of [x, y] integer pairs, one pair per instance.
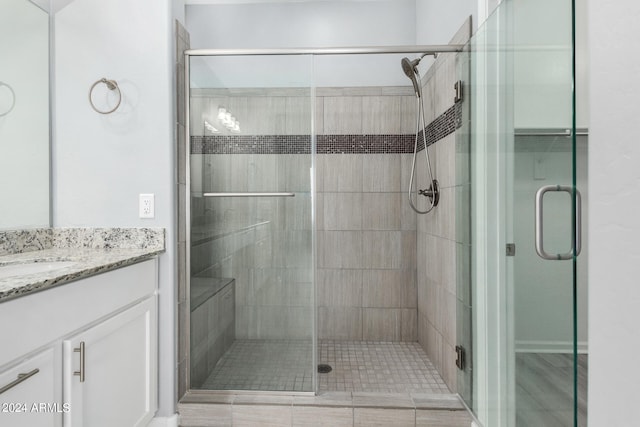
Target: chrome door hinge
{"points": [[460, 357], [458, 88]]}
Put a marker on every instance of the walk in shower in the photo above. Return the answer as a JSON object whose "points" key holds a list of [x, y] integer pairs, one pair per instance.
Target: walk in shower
{"points": [[308, 269], [302, 244]]}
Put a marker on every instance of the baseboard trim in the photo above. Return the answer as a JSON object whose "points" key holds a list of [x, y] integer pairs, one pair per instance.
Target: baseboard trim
{"points": [[171, 421]]}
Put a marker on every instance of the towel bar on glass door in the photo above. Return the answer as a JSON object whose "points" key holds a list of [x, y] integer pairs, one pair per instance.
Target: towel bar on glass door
{"points": [[249, 195]]}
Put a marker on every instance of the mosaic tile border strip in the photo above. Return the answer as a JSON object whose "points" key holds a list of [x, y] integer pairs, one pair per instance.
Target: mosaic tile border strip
{"points": [[442, 126], [445, 124], [364, 144], [251, 144]]}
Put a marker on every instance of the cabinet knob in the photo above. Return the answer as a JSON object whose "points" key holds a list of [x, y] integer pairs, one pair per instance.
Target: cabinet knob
{"points": [[80, 350]]}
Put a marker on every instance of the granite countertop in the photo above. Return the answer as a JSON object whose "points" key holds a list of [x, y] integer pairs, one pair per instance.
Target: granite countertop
{"points": [[85, 252]]}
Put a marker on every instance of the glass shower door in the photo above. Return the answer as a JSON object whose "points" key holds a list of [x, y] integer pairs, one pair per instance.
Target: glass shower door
{"points": [[530, 323], [251, 262], [546, 286]]}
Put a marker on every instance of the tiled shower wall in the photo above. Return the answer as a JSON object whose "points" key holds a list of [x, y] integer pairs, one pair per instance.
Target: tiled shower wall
{"points": [[366, 231], [443, 235]]}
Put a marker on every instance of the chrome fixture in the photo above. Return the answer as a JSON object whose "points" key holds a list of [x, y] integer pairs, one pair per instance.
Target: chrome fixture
{"points": [[249, 194], [81, 372], [458, 88], [21, 378], [576, 236], [112, 85], [433, 192], [410, 68], [432, 49]]}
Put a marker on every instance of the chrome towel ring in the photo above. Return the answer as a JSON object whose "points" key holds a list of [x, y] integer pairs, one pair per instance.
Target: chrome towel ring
{"points": [[13, 99], [111, 85]]}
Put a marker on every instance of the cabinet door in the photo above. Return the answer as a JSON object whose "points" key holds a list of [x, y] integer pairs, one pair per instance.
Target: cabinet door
{"points": [[30, 394], [110, 370]]}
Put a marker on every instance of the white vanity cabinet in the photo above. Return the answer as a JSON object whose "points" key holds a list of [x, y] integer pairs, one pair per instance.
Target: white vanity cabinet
{"points": [[30, 392], [94, 343], [109, 371]]}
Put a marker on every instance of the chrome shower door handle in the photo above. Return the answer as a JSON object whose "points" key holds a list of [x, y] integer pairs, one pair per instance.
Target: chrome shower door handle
{"points": [[576, 243]]}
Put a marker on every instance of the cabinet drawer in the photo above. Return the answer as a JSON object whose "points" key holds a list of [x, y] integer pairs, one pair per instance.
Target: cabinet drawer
{"points": [[31, 393], [48, 315]]}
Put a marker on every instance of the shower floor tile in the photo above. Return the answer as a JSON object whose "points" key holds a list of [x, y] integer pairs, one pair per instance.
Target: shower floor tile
{"points": [[358, 366], [381, 367], [274, 365]]}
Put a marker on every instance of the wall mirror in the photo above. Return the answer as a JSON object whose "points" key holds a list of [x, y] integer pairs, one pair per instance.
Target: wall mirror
{"points": [[24, 114]]}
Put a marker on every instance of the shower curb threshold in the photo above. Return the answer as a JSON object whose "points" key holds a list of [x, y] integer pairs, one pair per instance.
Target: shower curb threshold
{"points": [[451, 402], [205, 408]]}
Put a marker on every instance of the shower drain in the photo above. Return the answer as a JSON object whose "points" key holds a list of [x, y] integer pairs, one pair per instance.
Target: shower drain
{"points": [[324, 369]]}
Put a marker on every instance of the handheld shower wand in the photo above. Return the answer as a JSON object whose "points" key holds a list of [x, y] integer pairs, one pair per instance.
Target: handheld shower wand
{"points": [[410, 68]]}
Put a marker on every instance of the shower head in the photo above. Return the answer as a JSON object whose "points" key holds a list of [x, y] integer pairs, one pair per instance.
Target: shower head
{"points": [[409, 68]]}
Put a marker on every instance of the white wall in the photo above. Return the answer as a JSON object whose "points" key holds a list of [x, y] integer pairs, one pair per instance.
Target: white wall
{"points": [[101, 163], [24, 131], [305, 24], [311, 24], [437, 21], [614, 261]]}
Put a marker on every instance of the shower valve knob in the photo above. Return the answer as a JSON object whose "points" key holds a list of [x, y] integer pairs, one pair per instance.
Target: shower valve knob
{"points": [[433, 192]]}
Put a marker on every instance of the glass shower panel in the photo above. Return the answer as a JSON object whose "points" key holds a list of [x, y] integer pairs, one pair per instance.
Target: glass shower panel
{"points": [[464, 302], [524, 198], [252, 269], [543, 289]]}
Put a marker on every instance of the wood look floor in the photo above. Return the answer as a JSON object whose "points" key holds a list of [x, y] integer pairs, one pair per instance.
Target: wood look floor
{"points": [[544, 390]]}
